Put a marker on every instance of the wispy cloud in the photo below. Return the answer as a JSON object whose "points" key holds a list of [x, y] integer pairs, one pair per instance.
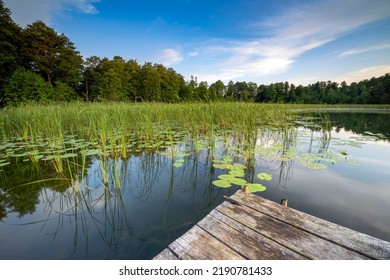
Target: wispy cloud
{"points": [[156, 24], [170, 57], [26, 11], [364, 50], [293, 33], [364, 73], [192, 54]]}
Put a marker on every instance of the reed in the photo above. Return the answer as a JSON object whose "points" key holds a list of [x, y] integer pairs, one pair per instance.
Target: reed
{"points": [[67, 135]]}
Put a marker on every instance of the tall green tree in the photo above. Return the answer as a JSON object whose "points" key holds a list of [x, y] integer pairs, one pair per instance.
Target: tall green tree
{"points": [[202, 92], [89, 87], [218, 89], [188, 92], [51, 55], [170, 83], [133, 70], [113, 79], [230, 90], [10, 43], [150, 87]]}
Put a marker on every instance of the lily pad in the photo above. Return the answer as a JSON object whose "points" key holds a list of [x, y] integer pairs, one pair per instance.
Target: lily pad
{"points": [[178, 164], [180, 154], [227, 159], [221, 166], [237, 173], [68, 155], [313, 165], [252, 188], [226, 177], [238, 166], [222, 183], [265, 176], [232, 179]]}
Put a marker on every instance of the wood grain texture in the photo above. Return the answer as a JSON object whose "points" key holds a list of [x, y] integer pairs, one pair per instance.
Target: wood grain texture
{"points": [[247, 226], [166, 254], [364, 244]]}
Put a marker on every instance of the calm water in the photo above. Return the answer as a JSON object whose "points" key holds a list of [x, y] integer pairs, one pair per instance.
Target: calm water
{"points": [[341, 174]]}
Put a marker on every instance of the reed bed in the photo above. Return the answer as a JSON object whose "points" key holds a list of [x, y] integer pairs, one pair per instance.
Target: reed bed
{"points": [[100, 120]]}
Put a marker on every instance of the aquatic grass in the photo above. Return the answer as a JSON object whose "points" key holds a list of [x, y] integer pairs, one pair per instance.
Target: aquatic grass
{"points": [[70, 133]]}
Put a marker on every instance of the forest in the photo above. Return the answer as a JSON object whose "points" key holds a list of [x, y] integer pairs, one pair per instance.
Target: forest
{"points": [[39, 65]]}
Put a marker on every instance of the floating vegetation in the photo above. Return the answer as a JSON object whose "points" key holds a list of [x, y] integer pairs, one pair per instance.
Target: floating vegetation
{"points": [[264, 176], [313, 165], [178, 164], [231, 135], [222, 183], [252, 188]]}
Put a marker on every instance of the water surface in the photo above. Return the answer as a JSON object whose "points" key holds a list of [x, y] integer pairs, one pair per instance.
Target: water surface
{"points": [[338, 171]]}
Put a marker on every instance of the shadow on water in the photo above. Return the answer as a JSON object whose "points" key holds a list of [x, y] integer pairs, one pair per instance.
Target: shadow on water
{"points": [[104, 207]]}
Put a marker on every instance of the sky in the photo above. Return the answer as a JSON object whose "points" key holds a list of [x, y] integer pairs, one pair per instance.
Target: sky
{"points": [[262, 41]]}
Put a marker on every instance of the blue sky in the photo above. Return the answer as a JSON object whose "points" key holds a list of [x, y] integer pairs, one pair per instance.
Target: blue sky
{"points": [[262, 41]]}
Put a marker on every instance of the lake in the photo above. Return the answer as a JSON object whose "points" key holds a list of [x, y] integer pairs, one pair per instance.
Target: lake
{"points": [[332, 165]]}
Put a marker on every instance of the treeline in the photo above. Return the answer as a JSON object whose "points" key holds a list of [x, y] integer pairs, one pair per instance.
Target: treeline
{"points": [[37, 64]]}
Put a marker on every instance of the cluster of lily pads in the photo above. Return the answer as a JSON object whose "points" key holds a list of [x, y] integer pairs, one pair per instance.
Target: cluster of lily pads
{"points": [[236, 172], [228, 151], [117, 144]]}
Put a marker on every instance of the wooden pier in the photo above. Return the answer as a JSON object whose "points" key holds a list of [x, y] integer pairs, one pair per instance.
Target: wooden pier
{"points": [[246, 226]]}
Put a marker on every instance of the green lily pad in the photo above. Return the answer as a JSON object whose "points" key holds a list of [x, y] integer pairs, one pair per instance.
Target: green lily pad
{"points": [[264, 176], [178, 164], [237, 173], [232, 179], [252, 188], [221, 166], [222, 183], [180, 154], [226, 177], [238, 166], [68, 155], [313, 165], [227, 159]]}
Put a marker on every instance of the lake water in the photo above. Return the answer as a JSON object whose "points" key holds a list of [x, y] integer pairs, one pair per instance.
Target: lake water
{"points": [[339, 171]]}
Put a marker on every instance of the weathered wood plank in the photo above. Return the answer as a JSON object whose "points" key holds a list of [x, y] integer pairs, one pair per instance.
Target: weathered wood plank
{"points": [[300, 241], [166, 254], [244, 240], [197, 244], [364, 244]]}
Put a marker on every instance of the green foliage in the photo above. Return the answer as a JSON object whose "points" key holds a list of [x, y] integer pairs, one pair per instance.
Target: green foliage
{"points": [[63, 92], [9, 44], [150, 83], [50, 54], [39, 49], [252, 188], [264, 176], [25, 86], [113, 79]]}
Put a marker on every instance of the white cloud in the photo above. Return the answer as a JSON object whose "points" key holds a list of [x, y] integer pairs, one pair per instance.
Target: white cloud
{"points": [[27, 11], [170, 57], [293, 33], [364, 50], [193, 53]]}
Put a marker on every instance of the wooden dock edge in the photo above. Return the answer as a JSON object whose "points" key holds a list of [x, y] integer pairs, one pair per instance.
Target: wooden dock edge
{"points": [[247, 226]]}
